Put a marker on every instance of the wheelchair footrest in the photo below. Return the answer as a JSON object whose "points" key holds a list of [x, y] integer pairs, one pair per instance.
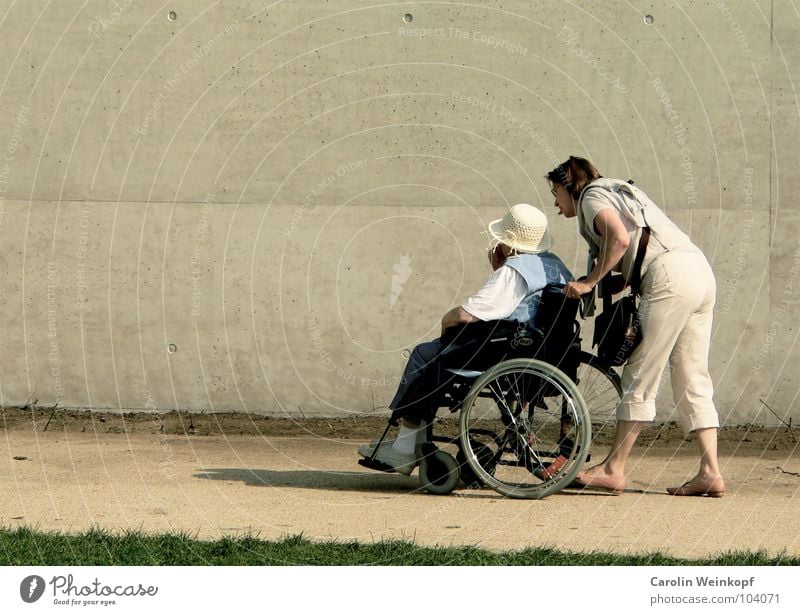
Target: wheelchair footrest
{"points": [[374, 464]]}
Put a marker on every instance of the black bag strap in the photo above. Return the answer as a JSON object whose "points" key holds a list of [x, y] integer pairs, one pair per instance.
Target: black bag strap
{"points": [[636, 279], [605, 286]]}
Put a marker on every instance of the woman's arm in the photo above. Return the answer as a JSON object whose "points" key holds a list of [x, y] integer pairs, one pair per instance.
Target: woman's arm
{"points": [[615, 244]]}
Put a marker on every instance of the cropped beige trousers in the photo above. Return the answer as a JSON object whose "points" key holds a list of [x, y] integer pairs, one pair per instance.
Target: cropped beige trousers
{"points": [[676, 309]]}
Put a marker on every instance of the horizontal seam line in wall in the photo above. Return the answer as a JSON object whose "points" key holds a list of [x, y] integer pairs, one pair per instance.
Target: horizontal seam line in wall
{"points": [[113, 202]]}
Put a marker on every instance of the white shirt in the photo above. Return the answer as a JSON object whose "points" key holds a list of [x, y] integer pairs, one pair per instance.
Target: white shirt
{"points": [[501, 294]]}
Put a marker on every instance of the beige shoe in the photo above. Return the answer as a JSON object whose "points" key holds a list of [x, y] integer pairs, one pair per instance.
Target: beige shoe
{"points": [[404, 463]]}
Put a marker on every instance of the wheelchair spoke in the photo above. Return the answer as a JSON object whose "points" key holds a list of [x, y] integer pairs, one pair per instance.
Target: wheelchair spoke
{"points": [[523, 432], [500, 399], [599, 386], [537, 424], [512, 387]]}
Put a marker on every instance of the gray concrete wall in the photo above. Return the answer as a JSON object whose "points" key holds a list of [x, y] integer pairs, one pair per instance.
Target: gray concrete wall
{"points": [[257, 207]]}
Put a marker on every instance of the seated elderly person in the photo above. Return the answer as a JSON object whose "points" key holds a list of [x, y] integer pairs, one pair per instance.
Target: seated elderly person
{"points": [[522, 266]]}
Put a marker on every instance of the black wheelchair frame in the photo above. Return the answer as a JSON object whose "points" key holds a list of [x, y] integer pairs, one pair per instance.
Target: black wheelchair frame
{"points": [[534, 434]]}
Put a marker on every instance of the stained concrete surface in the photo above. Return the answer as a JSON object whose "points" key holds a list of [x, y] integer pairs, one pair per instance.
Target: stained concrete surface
{"points": [[277, 486]]}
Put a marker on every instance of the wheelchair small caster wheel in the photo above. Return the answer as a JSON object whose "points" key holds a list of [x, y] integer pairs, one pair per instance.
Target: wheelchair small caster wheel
{"points": [[438, 473]]}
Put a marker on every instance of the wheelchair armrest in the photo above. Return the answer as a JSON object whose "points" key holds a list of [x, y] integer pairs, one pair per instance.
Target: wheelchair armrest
{"points": [[464, 373], [480, 330]]}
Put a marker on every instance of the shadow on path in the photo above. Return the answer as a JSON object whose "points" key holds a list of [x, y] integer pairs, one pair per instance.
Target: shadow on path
{"points": [[316, 479], [368, 482]]}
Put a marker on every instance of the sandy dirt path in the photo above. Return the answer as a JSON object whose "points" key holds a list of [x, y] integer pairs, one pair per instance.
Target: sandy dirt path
{"points": [[229, 485]]}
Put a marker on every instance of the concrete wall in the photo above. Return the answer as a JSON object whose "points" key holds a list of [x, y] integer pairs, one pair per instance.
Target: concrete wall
{"points": [[257, 208]]}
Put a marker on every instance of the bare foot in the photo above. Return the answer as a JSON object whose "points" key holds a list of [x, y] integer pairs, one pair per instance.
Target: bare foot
{"points": [[701, 485], [600, 478]]}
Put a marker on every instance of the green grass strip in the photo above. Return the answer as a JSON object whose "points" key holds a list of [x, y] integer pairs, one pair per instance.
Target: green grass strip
{"points": [[25, 546]]}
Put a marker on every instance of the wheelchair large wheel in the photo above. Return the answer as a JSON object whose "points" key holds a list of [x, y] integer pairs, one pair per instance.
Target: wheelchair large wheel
{"points": [[600, 386], [532, 418]]}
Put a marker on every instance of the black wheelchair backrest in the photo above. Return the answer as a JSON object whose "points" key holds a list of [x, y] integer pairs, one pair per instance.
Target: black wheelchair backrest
{"points": [[550, 337], [556, 320]]}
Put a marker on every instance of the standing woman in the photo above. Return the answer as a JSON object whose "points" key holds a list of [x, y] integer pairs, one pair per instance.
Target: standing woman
{"points": [[678, 291]]}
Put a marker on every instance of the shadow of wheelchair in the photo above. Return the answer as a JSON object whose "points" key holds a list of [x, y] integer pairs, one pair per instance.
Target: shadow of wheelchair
{"points": [[315, 479], [366, 482]]}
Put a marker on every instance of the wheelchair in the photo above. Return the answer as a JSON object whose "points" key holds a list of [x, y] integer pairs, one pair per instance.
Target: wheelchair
{"points": [[525, 396]]}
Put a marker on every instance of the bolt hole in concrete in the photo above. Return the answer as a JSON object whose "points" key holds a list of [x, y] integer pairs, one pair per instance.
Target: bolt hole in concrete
{"points": [[172, 16], [408, 18], [172, 348], [648, 19]]}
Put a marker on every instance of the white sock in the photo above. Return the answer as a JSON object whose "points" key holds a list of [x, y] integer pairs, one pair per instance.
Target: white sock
{"points": [[406, 441]]}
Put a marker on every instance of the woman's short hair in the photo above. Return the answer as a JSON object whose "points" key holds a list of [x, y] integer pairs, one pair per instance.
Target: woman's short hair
{"points": [[574, 174]]}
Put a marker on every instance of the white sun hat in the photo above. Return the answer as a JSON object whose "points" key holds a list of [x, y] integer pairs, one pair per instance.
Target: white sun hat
{"points": [[523, 228]]}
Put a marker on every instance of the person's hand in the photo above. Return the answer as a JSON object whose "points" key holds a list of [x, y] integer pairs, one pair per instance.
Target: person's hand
{"points": [[574, 290], [496, 258]]}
